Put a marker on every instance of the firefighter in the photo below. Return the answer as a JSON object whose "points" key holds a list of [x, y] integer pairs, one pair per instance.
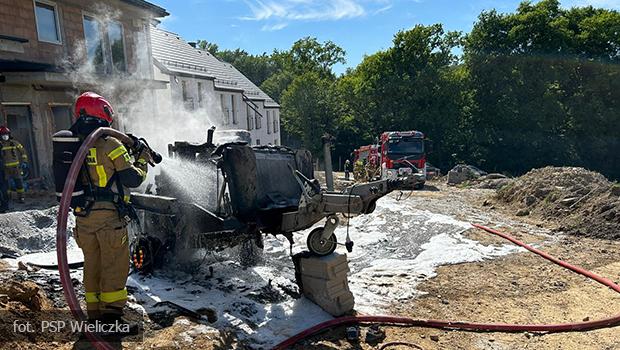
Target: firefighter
{"points": [[347, 169], [101, 229], [4, 190], [15, 161]]}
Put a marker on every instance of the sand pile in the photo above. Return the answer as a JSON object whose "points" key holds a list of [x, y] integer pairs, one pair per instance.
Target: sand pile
{"points": [[584, 202]]}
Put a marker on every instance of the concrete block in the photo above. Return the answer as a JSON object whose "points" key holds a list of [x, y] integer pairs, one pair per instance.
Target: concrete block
{"points": [[324, 281], [326, 267], [334, 306], [325, 288]]}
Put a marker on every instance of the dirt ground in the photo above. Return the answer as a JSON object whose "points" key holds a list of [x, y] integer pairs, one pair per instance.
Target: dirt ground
{"points": [[519, 288]]}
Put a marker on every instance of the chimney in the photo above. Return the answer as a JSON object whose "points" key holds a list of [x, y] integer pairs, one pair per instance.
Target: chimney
{"points": [[192, 44]]}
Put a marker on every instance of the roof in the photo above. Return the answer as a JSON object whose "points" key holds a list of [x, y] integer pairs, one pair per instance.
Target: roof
{"points": [[251, 90], [157, 10], [177, 56]]}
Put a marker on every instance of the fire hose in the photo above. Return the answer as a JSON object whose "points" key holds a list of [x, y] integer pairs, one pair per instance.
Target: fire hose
{"points": [[61, 230], [472, 326]]}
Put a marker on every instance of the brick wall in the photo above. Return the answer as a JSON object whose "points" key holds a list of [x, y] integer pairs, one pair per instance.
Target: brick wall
{"points": [[17, 18]]}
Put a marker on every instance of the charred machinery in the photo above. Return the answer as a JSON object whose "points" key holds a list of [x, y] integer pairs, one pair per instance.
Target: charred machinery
{"points": [[255, 191]]}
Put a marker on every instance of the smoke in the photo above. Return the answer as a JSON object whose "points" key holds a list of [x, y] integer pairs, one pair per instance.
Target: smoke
{"points": [[150, 104], [143, 104]]}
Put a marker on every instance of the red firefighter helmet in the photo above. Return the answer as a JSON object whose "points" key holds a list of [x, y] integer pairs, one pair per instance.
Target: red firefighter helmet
{"points": [[93, 105], [4, 130]]}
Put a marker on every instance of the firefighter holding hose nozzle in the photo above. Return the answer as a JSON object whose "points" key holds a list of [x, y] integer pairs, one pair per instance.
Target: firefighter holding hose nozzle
{"points": [[101, 204]]}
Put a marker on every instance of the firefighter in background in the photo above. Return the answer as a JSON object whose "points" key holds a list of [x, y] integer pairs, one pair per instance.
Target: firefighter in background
{"points": [[101, 229], [4, 190], [15, 160]]}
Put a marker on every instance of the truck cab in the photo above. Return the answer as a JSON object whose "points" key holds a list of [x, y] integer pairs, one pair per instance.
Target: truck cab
{"points": [[403, 153]]}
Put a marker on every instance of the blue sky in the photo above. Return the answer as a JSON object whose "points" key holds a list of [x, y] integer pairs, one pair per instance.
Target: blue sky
{"points": [[359, 26]]}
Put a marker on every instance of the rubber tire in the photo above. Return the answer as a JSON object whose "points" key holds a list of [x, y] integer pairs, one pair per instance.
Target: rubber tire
{"points": [[371, 207], [419, 186], [319, 231]]}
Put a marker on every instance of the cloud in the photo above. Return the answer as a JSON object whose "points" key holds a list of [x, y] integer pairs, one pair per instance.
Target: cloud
{"points": [[274, 27], [383, 9], [306, 10]]}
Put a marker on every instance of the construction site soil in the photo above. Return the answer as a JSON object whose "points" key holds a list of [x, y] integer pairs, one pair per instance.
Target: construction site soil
{"points": [[496, 284], [572, 200]]}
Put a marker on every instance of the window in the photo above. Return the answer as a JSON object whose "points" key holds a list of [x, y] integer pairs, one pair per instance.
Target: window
{"points": [[48, 27], [275, 121], [258, 142], [269, 122], [94, 44], [117, 46], [232, 109], [184, 90], [250, 118], [199, 92], [259, 119], [62, 117], [105, 45], [225, 110]]}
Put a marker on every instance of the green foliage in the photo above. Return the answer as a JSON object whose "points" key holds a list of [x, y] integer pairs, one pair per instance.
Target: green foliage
{"points": [[207, 46], [546, 87], [308, 105], [537, 87]]}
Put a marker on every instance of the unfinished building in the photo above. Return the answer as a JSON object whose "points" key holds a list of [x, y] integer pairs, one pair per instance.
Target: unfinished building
{"points": [[51, 51]]}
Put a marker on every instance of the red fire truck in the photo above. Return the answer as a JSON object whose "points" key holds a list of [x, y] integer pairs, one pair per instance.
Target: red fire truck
{"points": [[369, 153], [403, 153], [399, 153]]}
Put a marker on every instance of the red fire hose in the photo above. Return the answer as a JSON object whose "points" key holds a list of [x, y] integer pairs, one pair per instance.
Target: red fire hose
{"points": [[470, 326], [61, 230]]}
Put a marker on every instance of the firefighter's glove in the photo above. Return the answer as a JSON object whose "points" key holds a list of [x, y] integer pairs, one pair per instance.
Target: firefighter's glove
{"points": [[144, 158]]}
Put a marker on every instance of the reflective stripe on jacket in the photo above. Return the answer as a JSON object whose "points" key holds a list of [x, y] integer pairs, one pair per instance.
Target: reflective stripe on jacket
{"points": [[13, 153]]}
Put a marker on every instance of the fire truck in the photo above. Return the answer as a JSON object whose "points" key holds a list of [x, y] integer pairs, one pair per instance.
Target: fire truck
{"points": [[398, 154]]}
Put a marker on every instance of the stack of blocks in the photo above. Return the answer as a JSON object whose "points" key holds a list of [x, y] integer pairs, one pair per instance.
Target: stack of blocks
{"points": [[324, 281]]}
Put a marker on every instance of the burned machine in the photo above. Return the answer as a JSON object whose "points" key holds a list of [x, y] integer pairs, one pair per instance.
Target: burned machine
{"points": [[255, 190]]}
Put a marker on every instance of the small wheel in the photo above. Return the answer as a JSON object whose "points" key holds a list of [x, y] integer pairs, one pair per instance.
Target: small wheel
{"points": [[320, 246], [419, 186], [371, 207]]}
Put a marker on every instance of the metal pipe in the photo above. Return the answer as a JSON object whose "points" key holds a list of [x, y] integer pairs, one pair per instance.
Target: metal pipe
{"points": [[327, 151]]}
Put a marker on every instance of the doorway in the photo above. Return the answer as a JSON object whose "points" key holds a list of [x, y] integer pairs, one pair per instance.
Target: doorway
{"points": [[19, 119]]}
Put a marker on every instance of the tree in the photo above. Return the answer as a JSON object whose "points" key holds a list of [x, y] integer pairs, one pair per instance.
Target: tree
{"points": [[207, 46], [413, 85], [308, 107], [545, 86]]}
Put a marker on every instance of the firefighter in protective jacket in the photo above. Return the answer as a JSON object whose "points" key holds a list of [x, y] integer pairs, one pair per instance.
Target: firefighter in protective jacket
{"points": [[101, 229], [15, 160]]}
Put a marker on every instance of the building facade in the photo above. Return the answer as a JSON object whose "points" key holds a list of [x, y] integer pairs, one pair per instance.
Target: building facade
{"points": [[203, 88], [51, 51]]}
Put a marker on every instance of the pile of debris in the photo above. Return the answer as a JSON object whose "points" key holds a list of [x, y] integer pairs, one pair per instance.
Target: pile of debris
{"points": [[584, 202]]}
